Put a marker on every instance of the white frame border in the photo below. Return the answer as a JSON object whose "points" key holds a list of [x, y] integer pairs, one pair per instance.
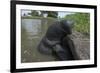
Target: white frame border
{"points": [[20, 65]]}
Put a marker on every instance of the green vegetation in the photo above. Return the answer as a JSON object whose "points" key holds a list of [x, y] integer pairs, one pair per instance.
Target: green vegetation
{"points": [[36, 17], [35, 13], [31, 17], [52, 14], [82, 22]]}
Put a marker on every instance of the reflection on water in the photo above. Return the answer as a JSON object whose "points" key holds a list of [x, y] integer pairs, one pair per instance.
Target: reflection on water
{"points": [[32, 31]]}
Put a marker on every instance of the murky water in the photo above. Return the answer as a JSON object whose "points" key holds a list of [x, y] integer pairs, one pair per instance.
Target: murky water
{"points": [[32, 30]]}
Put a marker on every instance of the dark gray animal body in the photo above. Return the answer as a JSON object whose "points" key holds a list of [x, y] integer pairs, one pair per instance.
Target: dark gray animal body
{"points": [[56, 41]]}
